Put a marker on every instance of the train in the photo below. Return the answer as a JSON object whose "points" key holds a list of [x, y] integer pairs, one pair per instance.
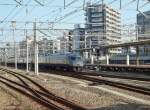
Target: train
{"points": [[62, 61], [121, 59], [75, 62], [57, 61]]}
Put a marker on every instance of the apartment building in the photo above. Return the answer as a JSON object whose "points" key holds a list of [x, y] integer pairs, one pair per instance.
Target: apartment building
{"points": [[102, 26]]}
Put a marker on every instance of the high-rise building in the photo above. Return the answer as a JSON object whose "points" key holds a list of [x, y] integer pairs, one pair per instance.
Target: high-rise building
{"points": [[102, 26], [143, 24]]}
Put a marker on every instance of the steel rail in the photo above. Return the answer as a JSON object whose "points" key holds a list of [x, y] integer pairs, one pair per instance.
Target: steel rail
{"points": [[37, 93], [47, 93], [33, 97], [108, 75], [95, 79], [114, 76]]}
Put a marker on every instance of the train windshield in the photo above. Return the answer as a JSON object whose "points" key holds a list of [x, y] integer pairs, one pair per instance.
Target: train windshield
{"points": [[72, 57], [75, 58]]}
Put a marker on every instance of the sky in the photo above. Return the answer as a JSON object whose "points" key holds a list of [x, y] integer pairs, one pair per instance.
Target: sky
{"points": [[54, 11]]}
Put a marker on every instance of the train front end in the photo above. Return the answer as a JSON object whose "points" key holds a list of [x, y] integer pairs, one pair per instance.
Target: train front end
{"points": [[77, 62]]}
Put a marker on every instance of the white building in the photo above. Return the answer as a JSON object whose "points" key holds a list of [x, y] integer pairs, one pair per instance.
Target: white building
{"points": [[103, 26]]}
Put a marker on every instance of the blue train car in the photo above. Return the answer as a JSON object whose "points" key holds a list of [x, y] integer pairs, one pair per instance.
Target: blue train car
{"points": [[66, 61]]}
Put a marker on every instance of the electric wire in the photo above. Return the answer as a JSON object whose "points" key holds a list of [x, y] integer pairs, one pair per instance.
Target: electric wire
{"points": [[9, 14]]}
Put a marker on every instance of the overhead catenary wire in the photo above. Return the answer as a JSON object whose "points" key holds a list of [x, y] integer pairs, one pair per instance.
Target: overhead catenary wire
{"points": [[112, 2], [61, 18], [129, 3], [9, 14], [17, 12], [64, 18], [68, 14], [19, 2], [148, 2], [35, 5], [22, 5], [70, 3], [37, 1]]}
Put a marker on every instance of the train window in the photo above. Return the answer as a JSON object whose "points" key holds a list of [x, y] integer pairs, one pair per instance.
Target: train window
{"points": [[78, 58]]}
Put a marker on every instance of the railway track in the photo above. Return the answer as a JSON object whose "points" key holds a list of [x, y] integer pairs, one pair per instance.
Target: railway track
{"points": [[115, 76], [39, 94], [99, 80], [93, 78]]}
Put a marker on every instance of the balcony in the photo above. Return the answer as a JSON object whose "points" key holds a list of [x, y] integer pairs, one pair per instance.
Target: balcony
{"points": [[97, 25], [99, 20]]}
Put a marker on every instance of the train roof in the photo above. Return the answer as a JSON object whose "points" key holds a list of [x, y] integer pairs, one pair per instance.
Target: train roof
{"points": [[67, 54]]}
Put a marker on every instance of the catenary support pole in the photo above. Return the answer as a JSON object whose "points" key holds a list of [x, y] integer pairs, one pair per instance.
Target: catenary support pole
{"points": [[16, 55], [27, 54], [15, 50], [35, 52], [5, 57], [37, 58]]}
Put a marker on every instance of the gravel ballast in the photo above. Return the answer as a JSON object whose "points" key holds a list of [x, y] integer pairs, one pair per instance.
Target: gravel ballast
{"points": [[81, 93]]}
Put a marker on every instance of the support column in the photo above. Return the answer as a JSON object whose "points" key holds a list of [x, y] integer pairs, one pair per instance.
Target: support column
{"points": [[92, 59], [15, 50], [27, 54], [35, 52], [128, 56], [107, 57], [16, 55], [1, 57], [90, 51], [137, 55], [37, 59], [89, 55], [92, 55], [5, 57]]}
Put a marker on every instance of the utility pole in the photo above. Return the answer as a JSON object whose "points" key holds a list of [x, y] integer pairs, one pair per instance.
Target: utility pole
{"points": [[35, 52]]}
